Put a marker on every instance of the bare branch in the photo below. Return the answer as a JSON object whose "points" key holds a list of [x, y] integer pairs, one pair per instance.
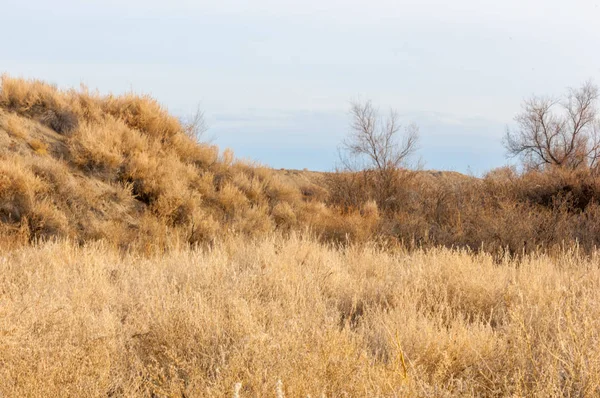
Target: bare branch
{"points": [[377, 143], [375, 150], [196, 127], [559, 132]]}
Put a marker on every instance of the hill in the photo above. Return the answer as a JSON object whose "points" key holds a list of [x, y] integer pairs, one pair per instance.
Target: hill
{"points": [[84, 166]]}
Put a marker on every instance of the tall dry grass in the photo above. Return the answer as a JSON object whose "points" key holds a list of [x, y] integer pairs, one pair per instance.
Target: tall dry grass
{"points": [[93, 321]]}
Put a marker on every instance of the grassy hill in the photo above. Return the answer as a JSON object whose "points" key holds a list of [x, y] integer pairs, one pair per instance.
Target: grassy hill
{"points": [[75, 164], [80, 165]]}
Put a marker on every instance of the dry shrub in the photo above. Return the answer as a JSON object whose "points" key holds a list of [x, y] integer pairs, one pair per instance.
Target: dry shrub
{"points": [[389, 189], [38, 100], [24, 201], [255, 221], [231, 199], [203, 229], [47, 221], [61, 121], [347, 189], [277, 191], [15, 125], [314, 192], [25, 96], [203, 155], [99, 148], [503, 212], [337, 226], [576, 188], [200, 281], [144, 114], [252, 187], [129, 173], [127, 159], [18, 190], [284, 216]]}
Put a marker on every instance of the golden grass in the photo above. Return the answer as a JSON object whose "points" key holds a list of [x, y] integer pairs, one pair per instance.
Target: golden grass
{"points": [[39, 147], [238, 318]]}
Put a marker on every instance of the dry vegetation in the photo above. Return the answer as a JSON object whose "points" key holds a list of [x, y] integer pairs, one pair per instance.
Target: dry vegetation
{"points": [[136, 261], [82, 166], [87, 167], [360, 321]]}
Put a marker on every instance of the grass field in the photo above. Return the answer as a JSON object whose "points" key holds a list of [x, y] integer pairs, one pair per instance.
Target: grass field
{"points": [[319, 320]]}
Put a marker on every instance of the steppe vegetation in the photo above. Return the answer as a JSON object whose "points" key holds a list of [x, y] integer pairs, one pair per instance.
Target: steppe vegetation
{"points": [[137, 261]]}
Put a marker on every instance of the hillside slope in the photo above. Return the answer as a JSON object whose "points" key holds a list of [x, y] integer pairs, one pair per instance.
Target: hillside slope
{"points": [[80, 165]]}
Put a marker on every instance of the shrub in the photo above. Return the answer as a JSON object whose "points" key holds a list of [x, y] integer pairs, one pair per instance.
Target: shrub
{"points": [[15, 125], [284, 216], [61, 121]]}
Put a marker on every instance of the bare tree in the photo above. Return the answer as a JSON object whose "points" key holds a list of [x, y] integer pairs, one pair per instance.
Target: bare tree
{"points": [[196, 127], [374, 151], [562, 132], [377, 144]]}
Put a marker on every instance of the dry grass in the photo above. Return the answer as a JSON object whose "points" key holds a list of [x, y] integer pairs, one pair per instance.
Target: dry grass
{"points": [[92, 321], [38, 147]]}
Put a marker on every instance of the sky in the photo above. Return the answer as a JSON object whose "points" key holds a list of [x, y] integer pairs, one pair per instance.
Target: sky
{"points": [[275, 78]]}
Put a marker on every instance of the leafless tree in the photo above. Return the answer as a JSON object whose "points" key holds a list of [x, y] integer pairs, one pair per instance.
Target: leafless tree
{"points": [[374, 151], [562, 132], [377, 144], [196, 127]]}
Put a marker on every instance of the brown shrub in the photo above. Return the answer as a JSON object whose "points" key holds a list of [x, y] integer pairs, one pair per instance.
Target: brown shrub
{"points": [[15, 125], [503, 212], [390, 189], [284, 216], [61, 121], [39, 100], [144, 114], [314, 192], [19, 188], [277, 191]]}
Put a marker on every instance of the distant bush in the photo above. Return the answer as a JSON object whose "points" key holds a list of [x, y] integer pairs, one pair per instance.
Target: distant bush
{"points": [[502, 212]]}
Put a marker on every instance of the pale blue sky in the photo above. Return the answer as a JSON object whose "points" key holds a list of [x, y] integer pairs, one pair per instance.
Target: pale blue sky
{"points": [[275, 77]]}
